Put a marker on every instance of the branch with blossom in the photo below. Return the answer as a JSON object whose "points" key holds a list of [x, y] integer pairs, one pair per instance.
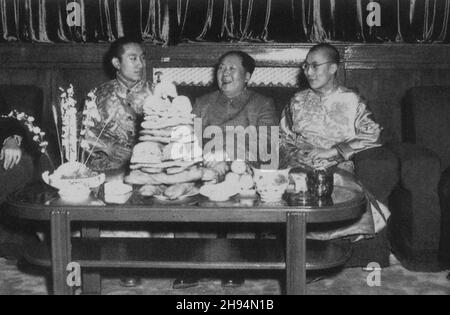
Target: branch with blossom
{"points": [[90, 116], [28, 122], [69, 133], [38, 135]]}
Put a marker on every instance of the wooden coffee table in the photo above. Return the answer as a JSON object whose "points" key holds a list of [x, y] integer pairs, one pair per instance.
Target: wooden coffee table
{"points": [[93, 253]]}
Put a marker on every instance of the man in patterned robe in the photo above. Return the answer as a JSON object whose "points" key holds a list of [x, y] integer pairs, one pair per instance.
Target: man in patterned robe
{"points": [[325, 126], [120, 108]]}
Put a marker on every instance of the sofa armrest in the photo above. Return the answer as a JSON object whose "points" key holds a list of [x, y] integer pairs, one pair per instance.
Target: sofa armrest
{"points": [[416, 217], [419, 166], [378, 170]]}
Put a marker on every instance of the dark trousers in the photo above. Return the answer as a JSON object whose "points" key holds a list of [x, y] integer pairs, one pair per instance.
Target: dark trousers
{"points": [[10, 181], [16, 178], [444, 195]]}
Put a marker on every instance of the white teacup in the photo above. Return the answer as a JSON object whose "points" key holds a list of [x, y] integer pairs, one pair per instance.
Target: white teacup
{"points": [[271, 184]]}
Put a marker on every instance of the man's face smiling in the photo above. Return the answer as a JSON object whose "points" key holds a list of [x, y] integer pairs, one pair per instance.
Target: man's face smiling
{"points": [[132, 64], [231, 76], [321, 72]]}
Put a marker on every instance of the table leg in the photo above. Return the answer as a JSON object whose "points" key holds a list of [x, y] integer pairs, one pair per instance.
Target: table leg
{"points": [[296, 253], [61, 251], [92, 282]]}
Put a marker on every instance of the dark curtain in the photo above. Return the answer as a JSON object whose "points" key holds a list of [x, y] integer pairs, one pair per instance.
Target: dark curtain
{"points": [[172, 21]]}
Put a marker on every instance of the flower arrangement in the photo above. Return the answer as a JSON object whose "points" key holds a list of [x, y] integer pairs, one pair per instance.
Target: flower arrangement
{"points": [[28, 122], [69, 133], [73, 171], [73, 143], [90, 116]]}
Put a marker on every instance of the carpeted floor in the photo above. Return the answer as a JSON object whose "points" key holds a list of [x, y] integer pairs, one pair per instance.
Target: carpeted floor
{"points": [[395, 280]]}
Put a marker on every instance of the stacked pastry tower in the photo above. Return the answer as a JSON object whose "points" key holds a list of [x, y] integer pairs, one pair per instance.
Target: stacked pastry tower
{"points": [[166, 160]]}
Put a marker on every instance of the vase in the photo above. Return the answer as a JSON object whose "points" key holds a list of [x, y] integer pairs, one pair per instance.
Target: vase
{"points": [[320, 183]]}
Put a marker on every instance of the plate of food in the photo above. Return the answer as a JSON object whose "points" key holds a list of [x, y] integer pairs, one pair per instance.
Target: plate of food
{"points": [[175, 194], [220, 192], [116, 192]]}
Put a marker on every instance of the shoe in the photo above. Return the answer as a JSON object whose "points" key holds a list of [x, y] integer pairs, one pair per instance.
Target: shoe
{"points": [[184, 283], [130, 282], [232, 283]]}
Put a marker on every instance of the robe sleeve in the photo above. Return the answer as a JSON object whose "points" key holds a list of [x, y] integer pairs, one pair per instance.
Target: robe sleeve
{"points": [[288, 146], [367, 134], [11, 127]]}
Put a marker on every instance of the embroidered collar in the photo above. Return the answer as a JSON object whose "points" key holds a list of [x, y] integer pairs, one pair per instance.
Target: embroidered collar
{"points": [[127, 86], [327, 94]]}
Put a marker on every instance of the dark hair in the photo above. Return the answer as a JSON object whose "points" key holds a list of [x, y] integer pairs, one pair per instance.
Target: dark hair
{"points": [[330, 50], [116, 50], [248, 62]]}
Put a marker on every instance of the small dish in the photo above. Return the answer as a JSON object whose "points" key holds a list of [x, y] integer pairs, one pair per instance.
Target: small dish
{"points": [[247, 193], [118, 199], [183, 200], [165, 198], [116, 192], [219, 192]]}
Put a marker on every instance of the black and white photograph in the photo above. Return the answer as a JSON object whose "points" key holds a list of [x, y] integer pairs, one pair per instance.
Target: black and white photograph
{"points": [[224, 153]]}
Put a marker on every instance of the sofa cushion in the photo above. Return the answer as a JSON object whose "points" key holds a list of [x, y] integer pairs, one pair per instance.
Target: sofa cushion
{"points": [[426, 119], [415, 220]]}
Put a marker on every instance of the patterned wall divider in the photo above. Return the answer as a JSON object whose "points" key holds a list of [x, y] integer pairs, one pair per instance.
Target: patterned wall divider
{"points": [[204, 76]]}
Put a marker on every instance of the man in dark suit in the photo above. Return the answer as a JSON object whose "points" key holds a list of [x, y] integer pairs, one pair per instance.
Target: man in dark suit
{"points": [[16, 169]]}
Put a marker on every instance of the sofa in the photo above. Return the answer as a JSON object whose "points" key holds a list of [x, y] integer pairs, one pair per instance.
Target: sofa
{"points": [[402, 174], [418, 220]]}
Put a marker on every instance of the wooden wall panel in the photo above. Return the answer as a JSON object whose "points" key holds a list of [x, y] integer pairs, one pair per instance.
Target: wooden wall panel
{"points": [[397, 56], [383, 95], [29, 76], [384, 90], [83, 80]]}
